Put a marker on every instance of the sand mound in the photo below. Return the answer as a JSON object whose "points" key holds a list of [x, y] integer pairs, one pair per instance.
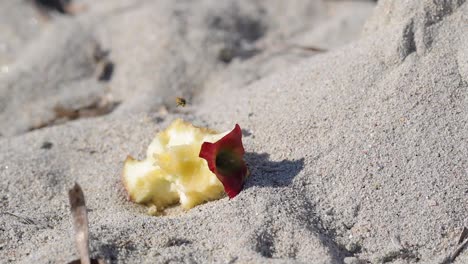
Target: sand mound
{"points": [[357, 154]]}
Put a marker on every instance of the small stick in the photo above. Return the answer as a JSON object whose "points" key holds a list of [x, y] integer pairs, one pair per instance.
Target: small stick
{"points": [[80, 222], [462, 242], [457, 251], [309, 48], [24, 219], [463, 235]]}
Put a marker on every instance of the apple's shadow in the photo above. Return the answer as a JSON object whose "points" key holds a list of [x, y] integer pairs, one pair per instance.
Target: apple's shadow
{"points": [[266, 173]]}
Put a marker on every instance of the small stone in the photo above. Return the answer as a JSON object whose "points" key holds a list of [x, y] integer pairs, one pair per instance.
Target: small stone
{"points": [[47, 145], [226, 55], [432, 202], [353, 247], [353, 260]]}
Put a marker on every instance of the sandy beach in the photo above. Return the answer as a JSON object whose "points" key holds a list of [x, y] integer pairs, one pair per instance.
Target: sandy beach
{"points": [[354, 117]]}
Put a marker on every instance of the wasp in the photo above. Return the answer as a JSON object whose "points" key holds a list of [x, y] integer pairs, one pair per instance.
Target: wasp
{"points": [[181, 101]]}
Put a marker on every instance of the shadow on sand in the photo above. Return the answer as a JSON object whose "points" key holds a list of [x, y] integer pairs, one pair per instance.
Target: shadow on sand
{"points": [[266, 173]]}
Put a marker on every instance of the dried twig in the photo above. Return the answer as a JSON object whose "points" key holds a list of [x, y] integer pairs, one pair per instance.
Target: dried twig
{"points": [[462, 243], [457, 251], [463, 235], [80, 222], [309, 48], [23, 219]]}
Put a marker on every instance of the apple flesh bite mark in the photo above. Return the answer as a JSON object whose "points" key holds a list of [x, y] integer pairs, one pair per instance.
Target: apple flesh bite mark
{"points": [[178, 170]]}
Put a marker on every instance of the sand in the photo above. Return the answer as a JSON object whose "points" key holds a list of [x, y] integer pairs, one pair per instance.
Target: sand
{"points": [[358, 154]]}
